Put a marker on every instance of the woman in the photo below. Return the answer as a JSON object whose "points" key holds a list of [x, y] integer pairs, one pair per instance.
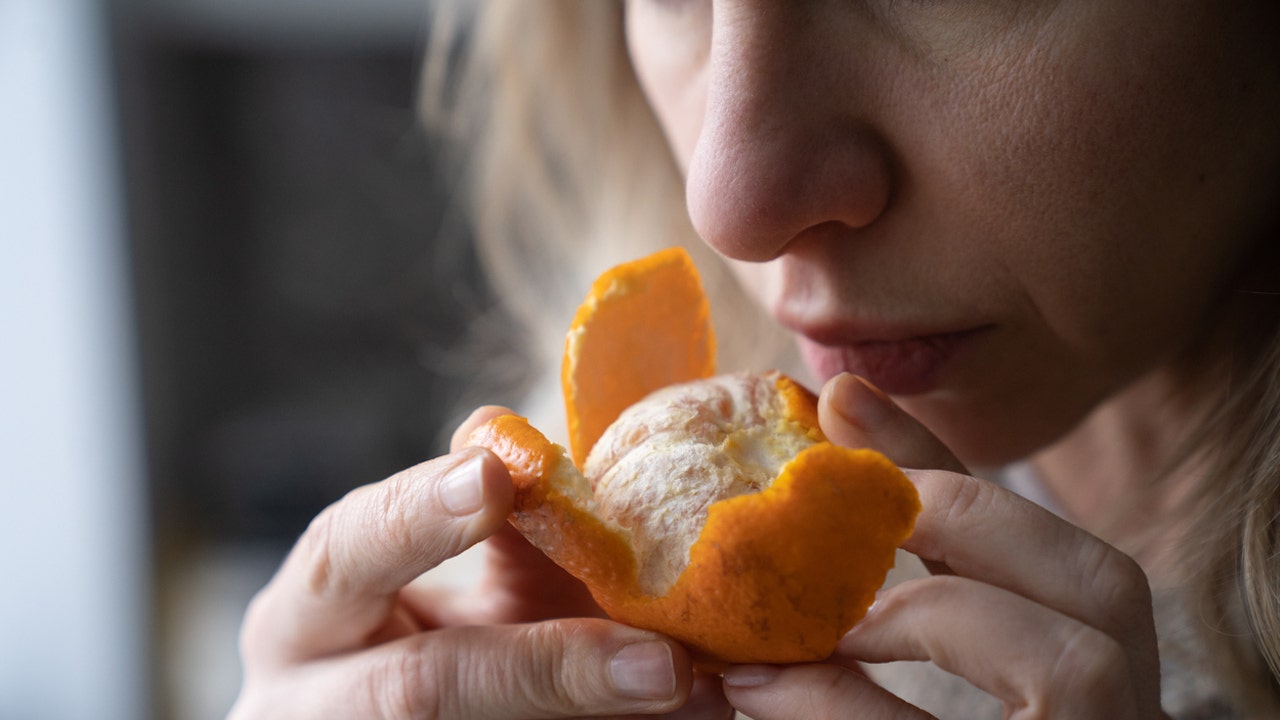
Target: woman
{"points": [[1045, 230]]}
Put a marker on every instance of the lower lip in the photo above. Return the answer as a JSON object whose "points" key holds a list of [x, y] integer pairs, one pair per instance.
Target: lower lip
{"points": [[898, 367]]}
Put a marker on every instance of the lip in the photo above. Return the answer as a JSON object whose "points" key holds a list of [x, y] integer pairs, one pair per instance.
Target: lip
{"points": [[899, 363]]}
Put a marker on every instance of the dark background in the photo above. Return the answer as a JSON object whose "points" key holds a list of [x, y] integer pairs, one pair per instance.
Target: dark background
{"points": [[303, 285]]}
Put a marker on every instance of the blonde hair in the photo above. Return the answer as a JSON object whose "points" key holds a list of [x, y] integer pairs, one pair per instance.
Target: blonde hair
{"points": [[570, 175], [568, 170], [1230, 554]]}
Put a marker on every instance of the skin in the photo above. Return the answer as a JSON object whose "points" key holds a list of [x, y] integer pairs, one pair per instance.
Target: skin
{"points": [[923, 167], [347, 628], [1076, 178]]}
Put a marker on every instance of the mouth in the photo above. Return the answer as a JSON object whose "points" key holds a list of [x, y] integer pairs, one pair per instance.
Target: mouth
{"points": [[907, 364]]}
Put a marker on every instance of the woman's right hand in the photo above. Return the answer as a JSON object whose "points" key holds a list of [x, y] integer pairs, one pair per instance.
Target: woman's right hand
{"points": [[347, 630]]}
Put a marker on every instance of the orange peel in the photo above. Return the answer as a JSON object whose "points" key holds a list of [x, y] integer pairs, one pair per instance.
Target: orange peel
{"points": [[711, 509], [622, 343]]}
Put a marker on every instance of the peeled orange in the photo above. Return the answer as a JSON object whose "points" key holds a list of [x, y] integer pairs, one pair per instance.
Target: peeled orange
{"points": [[711, 509]]}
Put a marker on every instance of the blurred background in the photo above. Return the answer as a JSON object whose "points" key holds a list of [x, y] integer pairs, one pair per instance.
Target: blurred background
{"points": [[232, 278]]}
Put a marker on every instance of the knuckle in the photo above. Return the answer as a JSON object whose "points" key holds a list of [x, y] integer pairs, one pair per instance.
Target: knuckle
{"points": [[549, 680], [1090, 664], [1118, 581], [371, 526], [963, 498], [315, 552], [953, 503], [567, 667], [389, 517], [530, 670], [537, 670], [409, 685], [841, 689], [400, 530]]}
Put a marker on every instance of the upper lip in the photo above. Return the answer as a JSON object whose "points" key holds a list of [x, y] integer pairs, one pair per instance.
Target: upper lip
{"points": [[824, 309], [836, 331]]}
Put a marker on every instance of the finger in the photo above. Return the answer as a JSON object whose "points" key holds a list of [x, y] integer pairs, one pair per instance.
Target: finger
{"points": [[565, 668], [340, 582], [854, 413], [984, 532], [706, 701], [530, 583], [478, 417], [518, 584], [767, 692], [1027, 655]]}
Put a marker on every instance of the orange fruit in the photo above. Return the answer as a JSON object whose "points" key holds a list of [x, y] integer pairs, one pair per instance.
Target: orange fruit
{"points": [[709, 508], [622, 342]]}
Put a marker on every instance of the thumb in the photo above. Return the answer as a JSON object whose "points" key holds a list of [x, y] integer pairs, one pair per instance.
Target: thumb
{"points": [[854, 413]]}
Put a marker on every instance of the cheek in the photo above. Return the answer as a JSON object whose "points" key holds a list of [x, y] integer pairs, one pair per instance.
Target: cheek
{"points": [[669, 53], [1118, 184], [1105, 185]]}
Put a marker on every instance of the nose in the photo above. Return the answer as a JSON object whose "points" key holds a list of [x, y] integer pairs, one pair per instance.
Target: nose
{"points": [[787, 143]]}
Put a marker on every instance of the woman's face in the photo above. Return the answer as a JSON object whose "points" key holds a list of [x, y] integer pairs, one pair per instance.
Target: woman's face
{"points": [[1000, 211]]}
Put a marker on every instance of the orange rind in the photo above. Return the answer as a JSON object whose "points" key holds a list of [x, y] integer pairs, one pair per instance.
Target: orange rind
{"points": [[620, 346], [709, 508]]}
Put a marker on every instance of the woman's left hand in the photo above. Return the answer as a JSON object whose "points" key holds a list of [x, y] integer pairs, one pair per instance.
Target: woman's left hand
{"points": [[1042, 615]]}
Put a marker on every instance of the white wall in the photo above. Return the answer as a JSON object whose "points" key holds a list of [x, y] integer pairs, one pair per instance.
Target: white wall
{"points": [[73, 572]]}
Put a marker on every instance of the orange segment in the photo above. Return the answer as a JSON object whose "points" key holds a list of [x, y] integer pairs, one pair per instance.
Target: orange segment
{"points": [[644, 325]]}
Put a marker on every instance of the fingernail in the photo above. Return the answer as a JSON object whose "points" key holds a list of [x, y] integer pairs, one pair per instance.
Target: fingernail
{"points": [[847, 646], [462, 489], [849, 642], [644, 670], [749, 676], [860, 403]]}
